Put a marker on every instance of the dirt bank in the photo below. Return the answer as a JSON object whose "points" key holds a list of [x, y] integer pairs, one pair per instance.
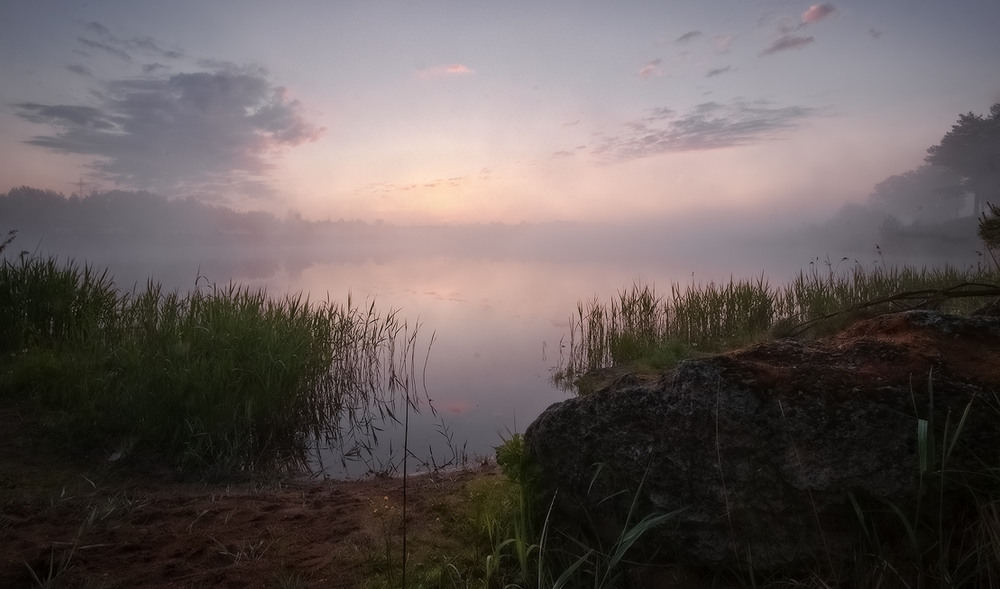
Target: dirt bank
{"points": [[98, 524]]}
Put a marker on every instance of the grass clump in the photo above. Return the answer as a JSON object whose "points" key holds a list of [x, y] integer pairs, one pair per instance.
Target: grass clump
{"points": [[644, 330], [950, 536], [535, 552], [219, 379]]}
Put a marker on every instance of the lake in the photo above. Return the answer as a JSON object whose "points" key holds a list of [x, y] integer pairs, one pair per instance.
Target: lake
{"points": [[497, 327], [497, 324]]}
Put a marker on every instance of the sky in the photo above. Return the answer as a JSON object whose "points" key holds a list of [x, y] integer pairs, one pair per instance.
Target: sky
{"points": [[475, 112]]}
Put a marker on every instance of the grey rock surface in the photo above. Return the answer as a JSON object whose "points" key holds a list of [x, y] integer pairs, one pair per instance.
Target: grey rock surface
{"points": [[764, 447]]}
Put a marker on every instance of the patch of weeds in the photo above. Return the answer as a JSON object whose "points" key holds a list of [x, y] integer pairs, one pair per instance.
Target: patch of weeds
{"points": [[107, 512], [289, 580], [51, 574], [245, 550], [389, 518]]}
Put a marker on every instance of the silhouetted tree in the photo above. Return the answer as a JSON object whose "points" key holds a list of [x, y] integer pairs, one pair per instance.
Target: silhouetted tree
{"points": [[972, 149], [926, 194], [989, 231]]}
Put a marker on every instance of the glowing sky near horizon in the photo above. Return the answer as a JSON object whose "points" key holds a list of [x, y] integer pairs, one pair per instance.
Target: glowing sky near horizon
{"points": [[470, 111]]}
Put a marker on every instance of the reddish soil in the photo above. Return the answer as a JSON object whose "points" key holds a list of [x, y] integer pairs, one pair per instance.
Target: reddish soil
{"points": [[97, 525]]}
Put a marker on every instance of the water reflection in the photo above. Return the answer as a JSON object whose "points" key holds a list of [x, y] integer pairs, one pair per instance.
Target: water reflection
{"points": [[498, 328], [497, 324]]}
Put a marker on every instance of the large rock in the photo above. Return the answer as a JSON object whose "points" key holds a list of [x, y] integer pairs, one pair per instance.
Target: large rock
{"points": [[764, 447]]}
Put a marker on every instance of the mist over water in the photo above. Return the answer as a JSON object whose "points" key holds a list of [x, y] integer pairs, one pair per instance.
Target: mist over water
{"points": [[554, 154], [495, 299]]}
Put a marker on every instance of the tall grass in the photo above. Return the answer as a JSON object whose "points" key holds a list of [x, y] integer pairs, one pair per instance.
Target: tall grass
{"points": [[221, 378], [950, 536], [642, 326], [531, 551]]}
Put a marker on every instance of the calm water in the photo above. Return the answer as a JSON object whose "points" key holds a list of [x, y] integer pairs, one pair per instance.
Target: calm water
{"points": [[498, 328], [497, 325]]}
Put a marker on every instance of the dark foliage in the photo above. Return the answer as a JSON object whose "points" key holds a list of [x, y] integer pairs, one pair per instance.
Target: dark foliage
{"points": [[972, 149]]}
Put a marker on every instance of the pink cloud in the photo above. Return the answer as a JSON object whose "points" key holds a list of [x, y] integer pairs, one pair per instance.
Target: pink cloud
{"points": [[454, 69], [818, 12], [651, 69], [723, 43]]}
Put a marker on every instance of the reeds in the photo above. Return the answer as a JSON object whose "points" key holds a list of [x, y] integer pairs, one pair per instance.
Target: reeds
{"points": [[222, 378], [642, 327]]}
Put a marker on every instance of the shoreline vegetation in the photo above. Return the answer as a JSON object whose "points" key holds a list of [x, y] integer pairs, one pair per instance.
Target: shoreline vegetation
{"points": [[227, 382], [643, 330], [221, 380]]}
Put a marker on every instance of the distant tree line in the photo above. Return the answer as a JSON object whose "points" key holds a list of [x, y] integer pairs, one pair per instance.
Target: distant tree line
{"points": [[140, 215], [937, 204], [125, 220], [963, 167]]}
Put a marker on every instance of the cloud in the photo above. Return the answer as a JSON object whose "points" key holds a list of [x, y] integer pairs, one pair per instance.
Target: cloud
{"points": [[97, 29], [723, 43], [455, 69], [123, 48], [453, 182], [388, 189], [689, 36], [710, 125], [873, 33], [151, 47], [152, 68], [79, 69], [177, 125], [662, 112], [106, 48], [814, 14], [65, 115], [651, 69], [718, 71], [787, 42], [818, 12], [197, 131]]}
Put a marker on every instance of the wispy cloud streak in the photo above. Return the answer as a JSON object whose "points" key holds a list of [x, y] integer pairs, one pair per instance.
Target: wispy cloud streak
{"points": [[104, 47], [723, 43], [786, 43], [454, 69], [710, 125], [79, 69], [651, 69], [788, 40]]}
